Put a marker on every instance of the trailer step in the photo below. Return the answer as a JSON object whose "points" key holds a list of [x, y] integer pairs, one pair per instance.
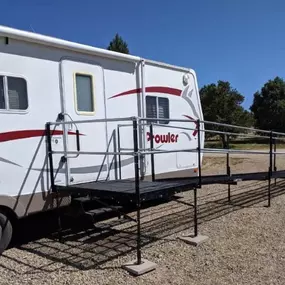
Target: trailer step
{"points": [[80, 200], [94, 213], [100, 211]]}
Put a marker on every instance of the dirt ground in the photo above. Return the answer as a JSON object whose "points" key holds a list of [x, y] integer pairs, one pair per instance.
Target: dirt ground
{"points": [[246, 242]]}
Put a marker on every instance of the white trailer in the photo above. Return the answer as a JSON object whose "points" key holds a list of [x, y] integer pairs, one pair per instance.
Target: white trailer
{"points": [[43, 79]]}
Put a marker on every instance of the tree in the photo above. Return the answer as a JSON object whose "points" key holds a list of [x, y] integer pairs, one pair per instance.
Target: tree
{"points": [[118, 45], [269, 106], [222, 104]]}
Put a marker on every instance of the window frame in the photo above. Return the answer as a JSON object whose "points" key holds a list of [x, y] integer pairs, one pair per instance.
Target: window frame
{"points": [[78, 112], [6, 95], [157, 120]]}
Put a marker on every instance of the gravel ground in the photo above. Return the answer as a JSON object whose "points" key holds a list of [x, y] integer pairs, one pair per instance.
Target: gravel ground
{"points": [[246, 242]]}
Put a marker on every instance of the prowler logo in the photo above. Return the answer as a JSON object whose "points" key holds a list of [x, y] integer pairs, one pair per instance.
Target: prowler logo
{"points": [[168, 138]]}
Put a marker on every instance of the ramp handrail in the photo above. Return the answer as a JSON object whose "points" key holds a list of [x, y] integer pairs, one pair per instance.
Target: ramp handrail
{"points": [[136, 152]]}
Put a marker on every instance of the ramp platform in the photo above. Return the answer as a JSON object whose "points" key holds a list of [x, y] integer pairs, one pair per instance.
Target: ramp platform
{"points": [[125, 190]]}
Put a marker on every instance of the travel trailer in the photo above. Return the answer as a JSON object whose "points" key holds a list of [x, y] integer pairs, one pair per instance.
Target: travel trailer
{"points": [[44, 79]]}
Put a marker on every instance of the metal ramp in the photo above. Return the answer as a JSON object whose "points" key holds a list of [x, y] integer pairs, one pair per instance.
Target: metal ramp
{"points": [[136, 191], [124, 190]]}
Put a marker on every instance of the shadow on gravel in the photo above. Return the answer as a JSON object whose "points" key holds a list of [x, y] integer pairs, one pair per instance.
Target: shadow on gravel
{"points": [[87, 248]]}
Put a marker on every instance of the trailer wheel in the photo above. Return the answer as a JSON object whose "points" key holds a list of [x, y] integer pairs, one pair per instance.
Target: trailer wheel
{"points": [[6, 231]]}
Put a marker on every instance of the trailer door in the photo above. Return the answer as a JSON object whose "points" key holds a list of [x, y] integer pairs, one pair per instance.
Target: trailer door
{"points": [[84, 99]]}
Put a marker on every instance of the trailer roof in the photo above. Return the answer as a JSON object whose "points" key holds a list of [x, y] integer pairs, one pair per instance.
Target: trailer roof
{"points": [[59, 43]]}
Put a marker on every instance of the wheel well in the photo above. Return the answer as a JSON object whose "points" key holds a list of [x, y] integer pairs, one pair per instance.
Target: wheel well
{"points": [[9, 213]]}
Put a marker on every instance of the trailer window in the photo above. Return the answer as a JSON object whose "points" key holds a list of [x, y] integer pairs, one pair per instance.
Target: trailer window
{"points": [[13, 93], [84, 93], [157, 108], [17, 93]]}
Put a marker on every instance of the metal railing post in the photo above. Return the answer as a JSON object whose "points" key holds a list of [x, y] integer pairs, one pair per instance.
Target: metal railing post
{"points": [[270, 168], [152, 154], [199, 153], [51, 170], [228, 167], [137, 187], [195, 213], [275, 167], [50, 157], [200, 179], [119, 150]]}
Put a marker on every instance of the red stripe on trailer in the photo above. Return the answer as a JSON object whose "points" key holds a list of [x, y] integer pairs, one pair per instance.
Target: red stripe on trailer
{"points": [[151, 89], [195, 131], [25, 134]]}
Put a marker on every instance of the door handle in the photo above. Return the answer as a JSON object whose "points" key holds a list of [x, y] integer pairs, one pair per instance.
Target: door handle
{"points": [[70, 126], [77, 140]]}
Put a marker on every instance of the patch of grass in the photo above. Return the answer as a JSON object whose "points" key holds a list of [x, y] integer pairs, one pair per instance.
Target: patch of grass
{"points": [[217, 161], [241, 145], [213, 144], [249, 146]]}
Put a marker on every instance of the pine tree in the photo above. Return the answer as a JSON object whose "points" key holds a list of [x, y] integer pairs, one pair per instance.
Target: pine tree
{"points": [[118, 45]]}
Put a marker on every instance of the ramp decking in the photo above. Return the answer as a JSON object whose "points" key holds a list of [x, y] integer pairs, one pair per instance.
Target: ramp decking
{"points": [[148, 190]]}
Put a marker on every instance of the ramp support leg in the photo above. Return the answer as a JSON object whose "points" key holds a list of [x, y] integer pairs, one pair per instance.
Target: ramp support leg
{"points": [[270, 170], [139, 266], [269, 193], [228, 167], [194, 238], [195, 214], [53, 186], [275, 167], [229, 193], [138, 196]]}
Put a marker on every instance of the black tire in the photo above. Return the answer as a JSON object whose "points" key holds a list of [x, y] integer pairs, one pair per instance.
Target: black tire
{"points": [[6, 232]]}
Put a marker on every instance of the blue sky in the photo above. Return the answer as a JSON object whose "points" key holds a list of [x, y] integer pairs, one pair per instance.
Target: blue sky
{"points": [[242, 41]]}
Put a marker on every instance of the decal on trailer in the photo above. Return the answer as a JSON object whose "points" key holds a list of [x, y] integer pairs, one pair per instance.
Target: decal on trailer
{"points": [[168, 138], [186, 94], [151, 89], [25, 134]]}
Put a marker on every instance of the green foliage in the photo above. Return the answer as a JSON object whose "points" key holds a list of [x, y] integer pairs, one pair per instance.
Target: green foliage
{"points": [[269, 106], [222, 104], [118, 45]]}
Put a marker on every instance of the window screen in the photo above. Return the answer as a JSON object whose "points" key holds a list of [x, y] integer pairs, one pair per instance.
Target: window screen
{"points": [[13, 93], [84, 93], [151, 107], [2, 96], [163, 110], [17, 93], [158, 108]]}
